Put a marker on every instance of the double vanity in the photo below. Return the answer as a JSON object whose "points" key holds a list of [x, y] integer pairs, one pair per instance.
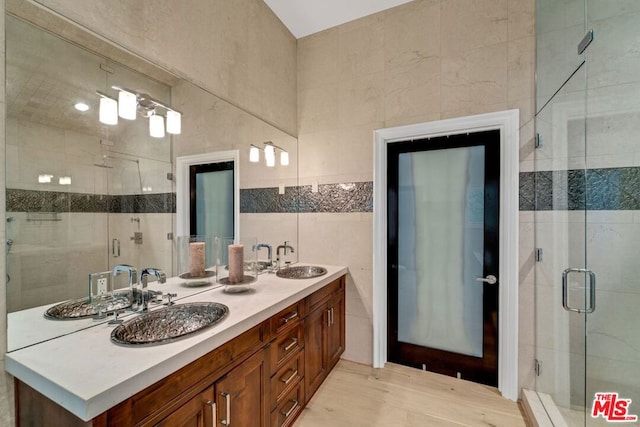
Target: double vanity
{"points": [[257, 366]]}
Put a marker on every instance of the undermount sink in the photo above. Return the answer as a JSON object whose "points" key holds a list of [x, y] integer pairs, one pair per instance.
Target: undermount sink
{"points": [[82, 308], [301, 272], [169, 323]]}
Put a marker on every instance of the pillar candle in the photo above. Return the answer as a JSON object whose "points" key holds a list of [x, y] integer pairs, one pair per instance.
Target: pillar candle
{"points": [[236, 263], [196, 259]]}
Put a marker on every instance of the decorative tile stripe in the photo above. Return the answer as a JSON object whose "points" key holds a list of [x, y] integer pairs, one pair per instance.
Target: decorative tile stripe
{"points": [[344, 197], [591, 189], [53, 201]]}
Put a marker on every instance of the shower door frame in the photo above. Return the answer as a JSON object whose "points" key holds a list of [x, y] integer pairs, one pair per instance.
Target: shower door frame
{"points": [[508, 123]]}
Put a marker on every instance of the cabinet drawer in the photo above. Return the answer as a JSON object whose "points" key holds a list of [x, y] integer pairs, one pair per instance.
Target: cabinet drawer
{"points": [[289, 408], [285, 346], [286, 378], [287, 318], [320, 296]]}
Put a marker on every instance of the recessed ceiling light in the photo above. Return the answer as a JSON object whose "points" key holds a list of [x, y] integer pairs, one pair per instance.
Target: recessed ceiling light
{"points": [[81, 106]]}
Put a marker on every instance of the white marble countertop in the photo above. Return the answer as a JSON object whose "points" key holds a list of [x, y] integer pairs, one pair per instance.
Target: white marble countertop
{"points": [[85, 373]]}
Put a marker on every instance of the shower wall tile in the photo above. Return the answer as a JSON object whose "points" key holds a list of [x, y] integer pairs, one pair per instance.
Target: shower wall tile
{"points": [[53, 201]]}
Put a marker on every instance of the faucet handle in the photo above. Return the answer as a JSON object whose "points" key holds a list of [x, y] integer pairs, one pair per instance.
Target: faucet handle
{"points": [[115, 320], [168, 296]]}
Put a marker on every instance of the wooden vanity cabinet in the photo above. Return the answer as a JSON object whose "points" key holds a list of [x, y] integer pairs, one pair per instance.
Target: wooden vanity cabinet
{"points": [[264, 377], [324, 334]]}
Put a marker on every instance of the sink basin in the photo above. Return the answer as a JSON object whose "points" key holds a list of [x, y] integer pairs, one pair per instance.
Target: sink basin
{"points": [[169, 323], [82, 308], [301, 272]]}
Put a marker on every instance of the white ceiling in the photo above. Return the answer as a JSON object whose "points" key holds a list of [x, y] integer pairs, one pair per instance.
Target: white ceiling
{"points": [[304, 17]]}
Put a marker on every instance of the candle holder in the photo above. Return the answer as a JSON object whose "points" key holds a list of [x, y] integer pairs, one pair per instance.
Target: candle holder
{"points": [[196, 260], [236, 263]]}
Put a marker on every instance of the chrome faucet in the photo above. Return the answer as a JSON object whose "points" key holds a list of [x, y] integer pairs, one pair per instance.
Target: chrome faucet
{"points": [[144, 278], [133, 278], [285, 247], [265, 245]]}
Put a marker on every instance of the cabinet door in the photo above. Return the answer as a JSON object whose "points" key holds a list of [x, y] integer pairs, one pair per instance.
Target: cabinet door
{"points": [[335, 330], [315, 360], [198, 412], [242, 395]]}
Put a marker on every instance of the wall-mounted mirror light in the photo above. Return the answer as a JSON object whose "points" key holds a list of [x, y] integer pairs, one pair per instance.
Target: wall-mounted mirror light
{"points": [[269, 150], [131, 103]]}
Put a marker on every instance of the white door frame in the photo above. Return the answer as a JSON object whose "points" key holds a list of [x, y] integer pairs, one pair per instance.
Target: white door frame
{"points": [[183, 191], [508, 124]]}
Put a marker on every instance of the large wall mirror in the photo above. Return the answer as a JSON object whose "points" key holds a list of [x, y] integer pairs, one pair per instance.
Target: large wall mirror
{"points": [[83, 196]]}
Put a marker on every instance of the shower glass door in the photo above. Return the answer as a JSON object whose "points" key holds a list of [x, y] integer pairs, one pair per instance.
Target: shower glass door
{"points": [[587, 212]]}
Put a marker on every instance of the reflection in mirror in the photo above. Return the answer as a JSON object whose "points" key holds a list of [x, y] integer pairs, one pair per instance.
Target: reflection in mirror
{"points": [[268, 202], [83, 196], [77, 190]]}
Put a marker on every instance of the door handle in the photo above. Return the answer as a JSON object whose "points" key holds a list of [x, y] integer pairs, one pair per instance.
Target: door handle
{"points": [[592, 290], [490, 279]]}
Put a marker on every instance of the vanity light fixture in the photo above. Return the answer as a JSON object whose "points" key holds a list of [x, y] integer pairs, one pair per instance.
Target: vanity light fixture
{"points": [[269, 150], [64, 180], [131, 103]]}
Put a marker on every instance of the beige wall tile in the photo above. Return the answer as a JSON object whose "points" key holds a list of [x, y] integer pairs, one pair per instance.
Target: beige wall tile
{"points": [[361, 101], [318, 108], [520, 68], [318, 59], [475, 80], [466, 26], [521, 18], [359, 52], [318, 154]]}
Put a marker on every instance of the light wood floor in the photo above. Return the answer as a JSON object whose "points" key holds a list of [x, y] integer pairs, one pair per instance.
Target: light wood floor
{"points": [[357, 395]]}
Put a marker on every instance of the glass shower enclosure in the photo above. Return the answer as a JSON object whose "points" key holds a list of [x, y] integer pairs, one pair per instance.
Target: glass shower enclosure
{"points": [[587, 210]]}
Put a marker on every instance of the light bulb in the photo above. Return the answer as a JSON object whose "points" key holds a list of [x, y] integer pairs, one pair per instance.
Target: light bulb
{"points": [[270, 155], [271, 160], [127, 105], [64, 180], [108, 111], [156, 126], [44, 178], [284, 158], [174, 122], [81, 106], [254, 154]]}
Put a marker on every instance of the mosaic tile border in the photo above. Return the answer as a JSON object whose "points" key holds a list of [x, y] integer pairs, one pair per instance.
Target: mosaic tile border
{"points": [[612, 189], [608, 189], [343, 197], [53, 201]]}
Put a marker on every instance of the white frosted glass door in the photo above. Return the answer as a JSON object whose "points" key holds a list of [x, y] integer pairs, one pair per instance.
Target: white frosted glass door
{"points": [[440, 249], [442, 259]]}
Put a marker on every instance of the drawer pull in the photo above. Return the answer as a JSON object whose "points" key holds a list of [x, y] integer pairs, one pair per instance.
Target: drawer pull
{"points": [[293, 408], [228, 399], [291, 377], [294, 342], [290, 317], [214, 421]]}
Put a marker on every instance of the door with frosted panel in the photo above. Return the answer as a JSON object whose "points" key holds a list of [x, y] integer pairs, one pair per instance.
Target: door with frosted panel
{"points": [[443, 254], [211, 201]]}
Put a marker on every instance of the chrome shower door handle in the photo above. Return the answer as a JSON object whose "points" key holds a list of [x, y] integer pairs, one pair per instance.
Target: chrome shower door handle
{"points": [[592, 290], [490, 279]]}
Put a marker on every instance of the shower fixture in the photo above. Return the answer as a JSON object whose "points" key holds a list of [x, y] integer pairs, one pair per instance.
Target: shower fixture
{"points": [[131, 103]]}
